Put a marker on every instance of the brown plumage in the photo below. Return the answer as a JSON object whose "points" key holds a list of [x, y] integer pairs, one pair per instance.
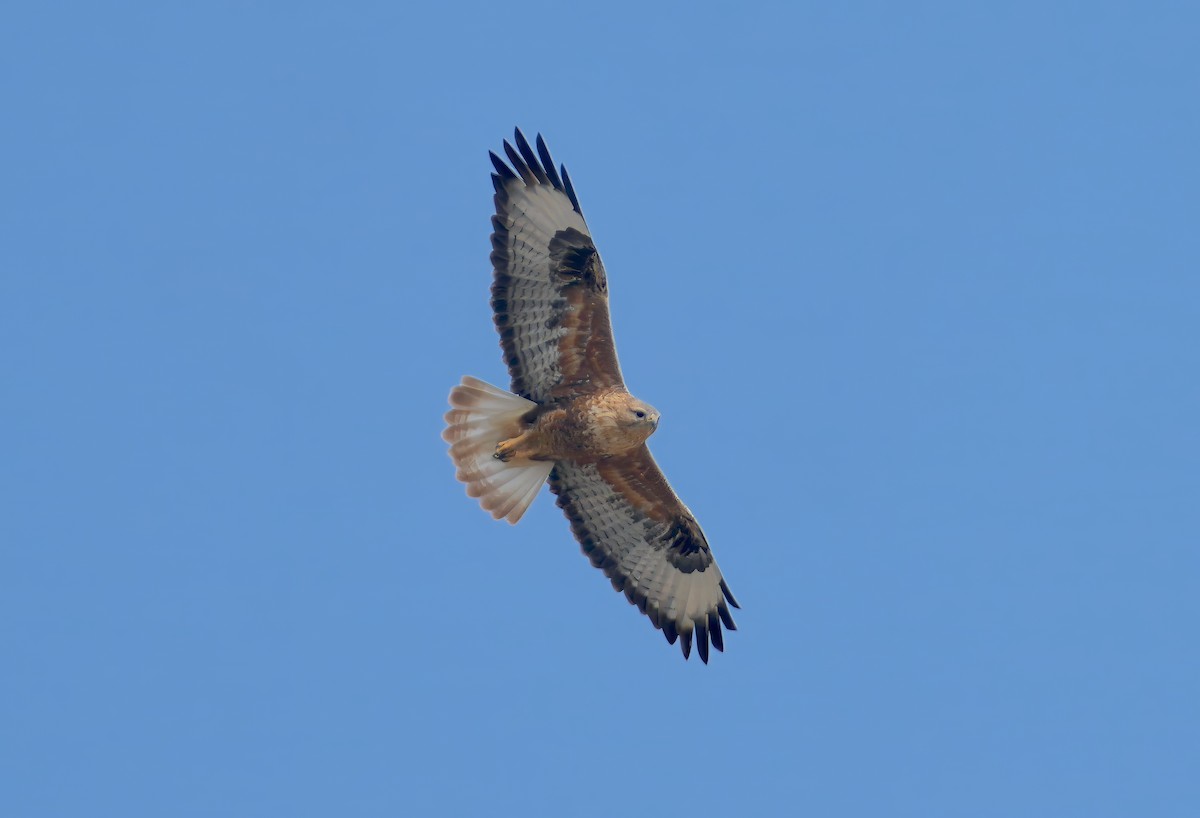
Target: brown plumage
{"points": [[570, 418]]}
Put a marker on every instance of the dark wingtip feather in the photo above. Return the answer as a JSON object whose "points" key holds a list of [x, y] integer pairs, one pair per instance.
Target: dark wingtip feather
{"points": [[714, 632], [548, 163], [650, 611], [519, 164], [533, 168], [670, 632], [502, 169], [726, 616], [702, 641], [685, 643], [531, 160], [729, 595], [566, 177]]}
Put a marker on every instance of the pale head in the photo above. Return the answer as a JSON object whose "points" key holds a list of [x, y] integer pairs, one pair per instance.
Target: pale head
{"points": [[621, 422], [641, 415]]}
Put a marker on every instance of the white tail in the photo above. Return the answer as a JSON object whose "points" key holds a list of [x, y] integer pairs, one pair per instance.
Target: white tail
{"points": [[481, 416]]}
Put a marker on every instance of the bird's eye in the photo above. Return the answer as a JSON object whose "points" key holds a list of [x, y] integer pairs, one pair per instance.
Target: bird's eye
{"points": [[639, 413]]}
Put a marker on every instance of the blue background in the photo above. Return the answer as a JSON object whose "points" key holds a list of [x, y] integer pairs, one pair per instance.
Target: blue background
{"points": [[916, 287]]}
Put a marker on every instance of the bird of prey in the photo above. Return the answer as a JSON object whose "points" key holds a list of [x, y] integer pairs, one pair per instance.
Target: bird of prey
{"points": [[569, 417]]}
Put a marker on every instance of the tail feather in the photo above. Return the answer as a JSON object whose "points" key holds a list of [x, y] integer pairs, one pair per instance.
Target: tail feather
{"points": [[481, 416]]}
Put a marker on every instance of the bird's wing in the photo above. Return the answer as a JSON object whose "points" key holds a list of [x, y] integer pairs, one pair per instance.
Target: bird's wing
{"points": [[550, 292], [634, 528]]}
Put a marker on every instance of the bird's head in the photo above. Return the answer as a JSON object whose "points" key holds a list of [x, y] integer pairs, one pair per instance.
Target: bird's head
{"points": [[639, 417], [642, 414], [622, 421]]}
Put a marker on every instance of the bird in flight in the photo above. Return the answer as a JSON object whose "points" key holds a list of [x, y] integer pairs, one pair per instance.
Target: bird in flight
{"points": [[570, 419]]}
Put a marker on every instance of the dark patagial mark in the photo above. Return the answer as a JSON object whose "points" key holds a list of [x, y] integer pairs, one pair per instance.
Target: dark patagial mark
{"points": [[574, 257], [684, 545], [685, 538]]}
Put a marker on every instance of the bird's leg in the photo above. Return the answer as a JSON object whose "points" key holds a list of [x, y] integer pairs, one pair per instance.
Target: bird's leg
{"points": [[517, 446], [529, 445]]}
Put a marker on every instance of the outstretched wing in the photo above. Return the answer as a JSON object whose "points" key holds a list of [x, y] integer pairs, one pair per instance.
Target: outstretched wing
{"points": [[550, 293], [636, 530]]}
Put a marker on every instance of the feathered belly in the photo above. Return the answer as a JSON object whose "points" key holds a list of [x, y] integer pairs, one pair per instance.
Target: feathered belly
{"points": [[587, 431]]}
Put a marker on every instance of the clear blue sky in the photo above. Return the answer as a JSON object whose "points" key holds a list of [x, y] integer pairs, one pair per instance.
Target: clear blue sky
{"points": [[916, 288]]}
